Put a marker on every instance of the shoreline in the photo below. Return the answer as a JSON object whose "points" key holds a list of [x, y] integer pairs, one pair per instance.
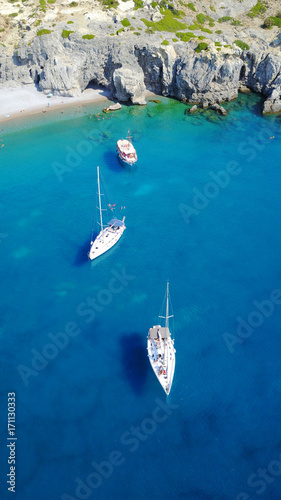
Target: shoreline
{"points": [[19, 102]]}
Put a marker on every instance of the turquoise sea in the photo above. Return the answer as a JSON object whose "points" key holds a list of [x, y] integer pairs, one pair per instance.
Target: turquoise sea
{"points": [[203, 210]]}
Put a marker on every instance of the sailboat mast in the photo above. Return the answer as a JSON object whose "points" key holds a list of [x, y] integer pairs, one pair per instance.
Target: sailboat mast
{"points": [[98, 175], [167, 309]]}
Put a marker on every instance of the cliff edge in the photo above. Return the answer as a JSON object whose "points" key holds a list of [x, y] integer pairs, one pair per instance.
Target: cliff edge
{"points": [[201, 52]]}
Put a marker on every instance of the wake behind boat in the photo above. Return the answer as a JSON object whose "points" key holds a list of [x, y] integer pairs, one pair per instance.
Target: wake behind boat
{"points": [[126, 151], [161, 351], [109, 233]]}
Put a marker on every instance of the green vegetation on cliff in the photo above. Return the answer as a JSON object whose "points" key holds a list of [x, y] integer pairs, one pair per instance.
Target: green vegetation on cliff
{"points": [[185, 37], [43, 32], [242, 45], [224, 19], [201, 46], [190, 5], [125, 22], [66, 33], [168, 23], [259, 8], [272, 21], [138, 4], [202, 18]]}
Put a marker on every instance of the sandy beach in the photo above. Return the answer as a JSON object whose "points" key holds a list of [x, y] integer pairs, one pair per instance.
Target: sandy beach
{"points": [[23, 100]]}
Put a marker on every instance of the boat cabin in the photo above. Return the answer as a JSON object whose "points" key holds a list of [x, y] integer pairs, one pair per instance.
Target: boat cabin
{"points": [[159, 330]]}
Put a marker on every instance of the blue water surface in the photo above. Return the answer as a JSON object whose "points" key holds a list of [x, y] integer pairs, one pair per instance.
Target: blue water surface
{"points": [[203, 210]]}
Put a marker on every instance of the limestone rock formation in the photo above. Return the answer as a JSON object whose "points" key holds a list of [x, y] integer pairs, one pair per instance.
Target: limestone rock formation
{"points": [[129, 84], [67, 66]]}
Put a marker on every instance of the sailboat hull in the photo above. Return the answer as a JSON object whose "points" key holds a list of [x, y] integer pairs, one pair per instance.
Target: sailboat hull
{"points": [[106, 239], [161, 354]]}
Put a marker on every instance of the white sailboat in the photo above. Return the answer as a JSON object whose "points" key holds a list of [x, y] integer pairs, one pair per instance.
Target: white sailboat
{"points": [[109, 233], [161, 351]]}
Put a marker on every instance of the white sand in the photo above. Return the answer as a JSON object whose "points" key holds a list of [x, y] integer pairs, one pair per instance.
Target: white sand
{"points": [[28, 100]]}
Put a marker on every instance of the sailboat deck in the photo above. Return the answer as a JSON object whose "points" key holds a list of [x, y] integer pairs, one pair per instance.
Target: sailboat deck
{"points": [[164, 332]]}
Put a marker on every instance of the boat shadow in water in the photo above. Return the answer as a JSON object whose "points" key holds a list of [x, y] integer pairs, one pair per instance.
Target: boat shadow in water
{"points": [[82, 254], [134, 361], [114, 163], [111, 160]]}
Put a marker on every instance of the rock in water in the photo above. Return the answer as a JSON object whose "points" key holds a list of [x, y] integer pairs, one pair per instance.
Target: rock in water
{"points": [[112, 107], [219, 108], [193, 109]]}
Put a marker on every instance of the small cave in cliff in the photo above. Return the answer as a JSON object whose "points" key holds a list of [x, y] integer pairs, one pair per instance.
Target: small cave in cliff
{"points": [[95, 86], [242, 73], [36, 77], [91, 85]]}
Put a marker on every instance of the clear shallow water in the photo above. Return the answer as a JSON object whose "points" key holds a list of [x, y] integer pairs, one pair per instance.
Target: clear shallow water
{"points": [[90, 398]]}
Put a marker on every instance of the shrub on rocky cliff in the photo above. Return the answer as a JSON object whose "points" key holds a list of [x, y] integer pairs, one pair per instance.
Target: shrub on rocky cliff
{"points": [[185, 37], [138, 4], [201, 46], [108, 4], [168, 23], [43, 5], [43, 32], [259, 8], [125, 22], [268, 23], [87, 37], [190, 5], [242, 45], [272, 21], [224, 19], [201, 18], [66, 33]]}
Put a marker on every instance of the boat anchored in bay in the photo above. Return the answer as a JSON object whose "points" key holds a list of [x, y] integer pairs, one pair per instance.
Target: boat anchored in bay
{"points": [[161, 351], [109, 234], [126, 151]]}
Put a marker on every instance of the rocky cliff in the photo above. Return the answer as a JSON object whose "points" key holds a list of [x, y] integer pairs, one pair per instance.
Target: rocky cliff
{"points": [[192, 70]]}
